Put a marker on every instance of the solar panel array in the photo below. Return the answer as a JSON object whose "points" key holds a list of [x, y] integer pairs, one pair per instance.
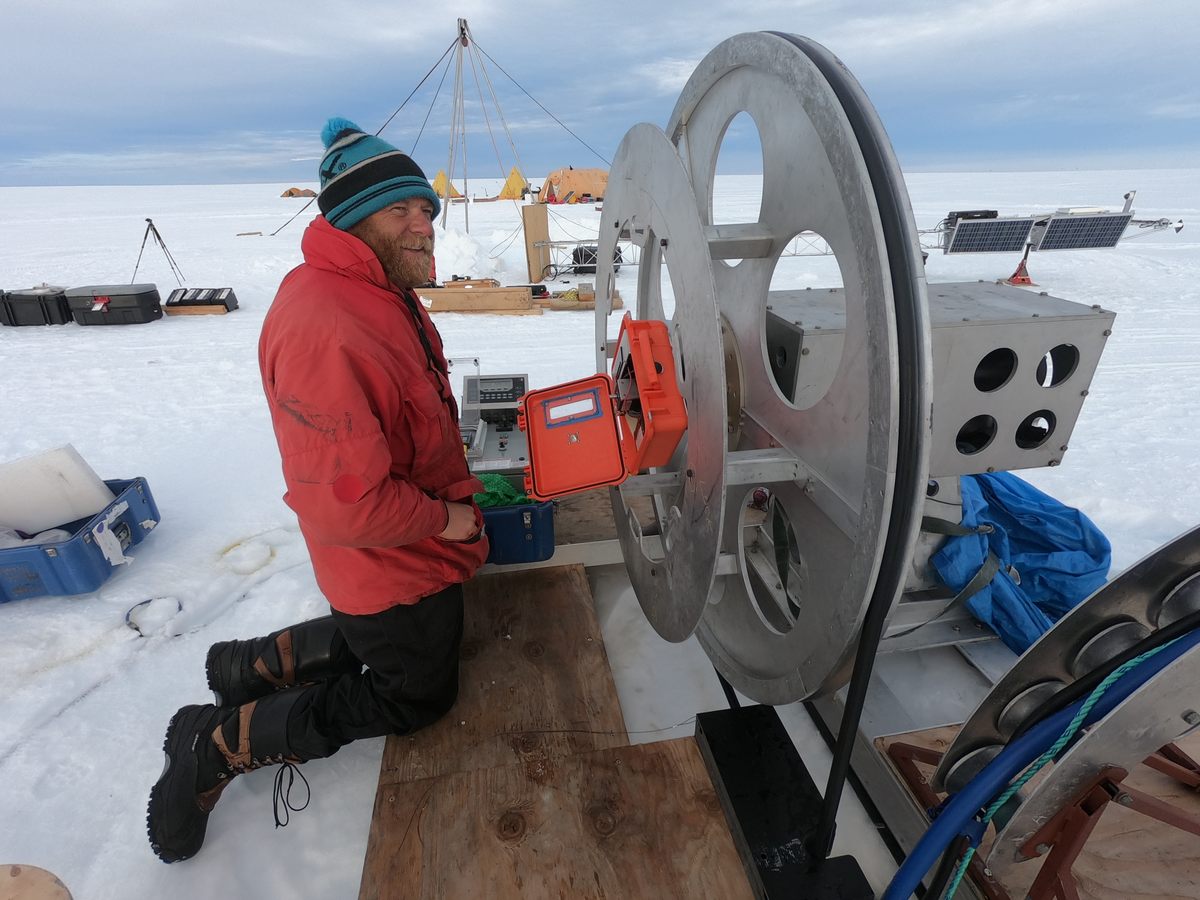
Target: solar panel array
{"points": [[989, 235], [1083, 231]]}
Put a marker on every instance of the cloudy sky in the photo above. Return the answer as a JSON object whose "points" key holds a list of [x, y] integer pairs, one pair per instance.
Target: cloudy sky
{"points": [[154, 91]]}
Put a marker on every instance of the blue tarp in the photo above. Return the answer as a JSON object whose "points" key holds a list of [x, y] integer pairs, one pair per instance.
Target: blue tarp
{"points": [[1059, 555]]}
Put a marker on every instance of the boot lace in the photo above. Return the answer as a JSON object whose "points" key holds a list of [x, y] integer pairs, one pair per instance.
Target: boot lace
{"points": [[285, 779]]}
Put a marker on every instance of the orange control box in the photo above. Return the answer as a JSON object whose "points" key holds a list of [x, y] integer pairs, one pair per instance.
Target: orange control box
{"points": [[650, 408], [600, 430], [574, 441]]}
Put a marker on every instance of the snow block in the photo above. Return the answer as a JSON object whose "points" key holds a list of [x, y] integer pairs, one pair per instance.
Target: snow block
{"points": [[520, 534], [89, 557]]}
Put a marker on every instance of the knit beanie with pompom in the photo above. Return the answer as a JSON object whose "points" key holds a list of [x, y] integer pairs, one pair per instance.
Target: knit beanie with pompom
{"points": [[361, 174]]}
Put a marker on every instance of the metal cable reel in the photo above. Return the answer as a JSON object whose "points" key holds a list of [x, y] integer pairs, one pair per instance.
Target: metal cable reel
{"points": [[1159, 593], [777, 596], [1153, 594]]}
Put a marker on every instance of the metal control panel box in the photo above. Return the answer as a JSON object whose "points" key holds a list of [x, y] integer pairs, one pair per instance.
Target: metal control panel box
{"points": [[488, 422], [1011, 368], [495, 394]]}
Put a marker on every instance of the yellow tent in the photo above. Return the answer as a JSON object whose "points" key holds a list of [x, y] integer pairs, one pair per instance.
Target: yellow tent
{"points": [[441, 183], [298, 192], [574, 185], [515, 188]]}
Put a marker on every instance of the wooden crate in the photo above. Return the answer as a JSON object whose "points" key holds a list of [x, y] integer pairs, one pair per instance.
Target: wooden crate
{"points": [[503, 300]]}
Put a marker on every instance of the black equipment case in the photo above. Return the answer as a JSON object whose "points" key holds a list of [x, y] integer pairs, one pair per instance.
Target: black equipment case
{"points": [[583, 259], [44, 305], [115, 304]]}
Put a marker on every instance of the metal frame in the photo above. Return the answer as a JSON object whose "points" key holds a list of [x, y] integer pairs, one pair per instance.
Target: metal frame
{"points": [[844, 467]]}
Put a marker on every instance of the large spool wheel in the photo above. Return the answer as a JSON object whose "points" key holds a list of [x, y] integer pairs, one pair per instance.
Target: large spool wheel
{"points": [[648, 197], [843, 461]]}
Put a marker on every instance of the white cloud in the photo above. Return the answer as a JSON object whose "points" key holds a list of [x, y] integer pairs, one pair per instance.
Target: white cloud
{"points": [[666, 76], [1179, 108], [245, 150]]}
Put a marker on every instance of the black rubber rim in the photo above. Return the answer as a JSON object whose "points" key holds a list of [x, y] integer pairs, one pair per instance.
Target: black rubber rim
{"points": [[910, 484]]}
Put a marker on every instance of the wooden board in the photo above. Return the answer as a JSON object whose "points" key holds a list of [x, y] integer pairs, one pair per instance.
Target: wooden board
{"points": [[636, 822], [588, 302], [587, 516], [536, 225], [1129, 856], [477, 299], [217, 309], [534, 682], [472, 283], [20, 882]]}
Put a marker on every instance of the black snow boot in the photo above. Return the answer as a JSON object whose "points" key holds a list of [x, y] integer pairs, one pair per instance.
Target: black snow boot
{"points": [[206, 747], [240, 671]]}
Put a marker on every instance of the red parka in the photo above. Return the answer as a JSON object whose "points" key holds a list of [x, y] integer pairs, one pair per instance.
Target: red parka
{"points": [[370, 448]]}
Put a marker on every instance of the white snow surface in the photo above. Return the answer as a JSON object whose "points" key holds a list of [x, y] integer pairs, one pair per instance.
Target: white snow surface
{"points": [[84, 699]]}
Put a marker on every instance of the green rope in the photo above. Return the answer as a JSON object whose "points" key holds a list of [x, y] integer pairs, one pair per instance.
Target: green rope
{"points": [[1042, 761], [499, 491]]}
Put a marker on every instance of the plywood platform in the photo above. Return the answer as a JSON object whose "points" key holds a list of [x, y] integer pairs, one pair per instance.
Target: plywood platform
{"points": [[635, 822], [529, 787], [1128, 856], [534, 681]]}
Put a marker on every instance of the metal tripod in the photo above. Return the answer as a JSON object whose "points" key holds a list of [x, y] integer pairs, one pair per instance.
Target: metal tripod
{"points": [[151, 230]]}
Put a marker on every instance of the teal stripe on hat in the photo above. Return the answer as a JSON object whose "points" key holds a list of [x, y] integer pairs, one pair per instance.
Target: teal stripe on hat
{"points": [[362, 173], [364, 203]]}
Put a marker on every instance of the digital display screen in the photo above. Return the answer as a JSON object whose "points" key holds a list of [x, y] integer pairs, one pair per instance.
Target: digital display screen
{"points": [[496, 384]]}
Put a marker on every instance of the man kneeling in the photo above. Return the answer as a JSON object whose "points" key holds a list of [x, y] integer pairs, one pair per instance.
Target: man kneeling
{"points": [[360, 399]]}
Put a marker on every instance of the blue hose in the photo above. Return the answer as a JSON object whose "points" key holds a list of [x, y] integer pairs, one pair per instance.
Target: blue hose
{"points": [[958, 812]]}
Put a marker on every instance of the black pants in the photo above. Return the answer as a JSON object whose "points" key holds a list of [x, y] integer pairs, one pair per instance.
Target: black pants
{"points": [[411, 677]]}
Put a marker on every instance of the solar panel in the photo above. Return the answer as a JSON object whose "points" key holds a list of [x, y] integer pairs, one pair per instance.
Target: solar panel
{"points": [[1079, 232], [989, 235]]}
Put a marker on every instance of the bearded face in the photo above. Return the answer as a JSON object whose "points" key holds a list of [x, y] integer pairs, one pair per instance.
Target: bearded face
{"points": [[407, 258]]}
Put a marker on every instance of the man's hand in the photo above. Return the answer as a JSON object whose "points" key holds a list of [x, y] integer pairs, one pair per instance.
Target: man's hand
{"points": [[462, 525]]}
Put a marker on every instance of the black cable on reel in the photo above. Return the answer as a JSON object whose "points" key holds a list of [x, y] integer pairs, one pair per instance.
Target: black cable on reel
{"points": [[1081, 687], [905, 276]]}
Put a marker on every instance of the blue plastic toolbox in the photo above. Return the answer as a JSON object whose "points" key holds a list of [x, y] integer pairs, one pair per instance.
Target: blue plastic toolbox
{"points": [[520, 534], [87, 559]]}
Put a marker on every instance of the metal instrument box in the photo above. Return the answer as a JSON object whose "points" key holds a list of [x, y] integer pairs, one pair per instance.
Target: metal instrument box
{"points": [[1011, 368]]}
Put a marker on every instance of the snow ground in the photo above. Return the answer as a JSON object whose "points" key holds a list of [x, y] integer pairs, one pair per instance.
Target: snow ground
{"points": [[84, 700]]}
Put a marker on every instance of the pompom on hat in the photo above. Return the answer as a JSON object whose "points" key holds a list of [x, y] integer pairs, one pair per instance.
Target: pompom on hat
{"points": [[361, 174]]}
